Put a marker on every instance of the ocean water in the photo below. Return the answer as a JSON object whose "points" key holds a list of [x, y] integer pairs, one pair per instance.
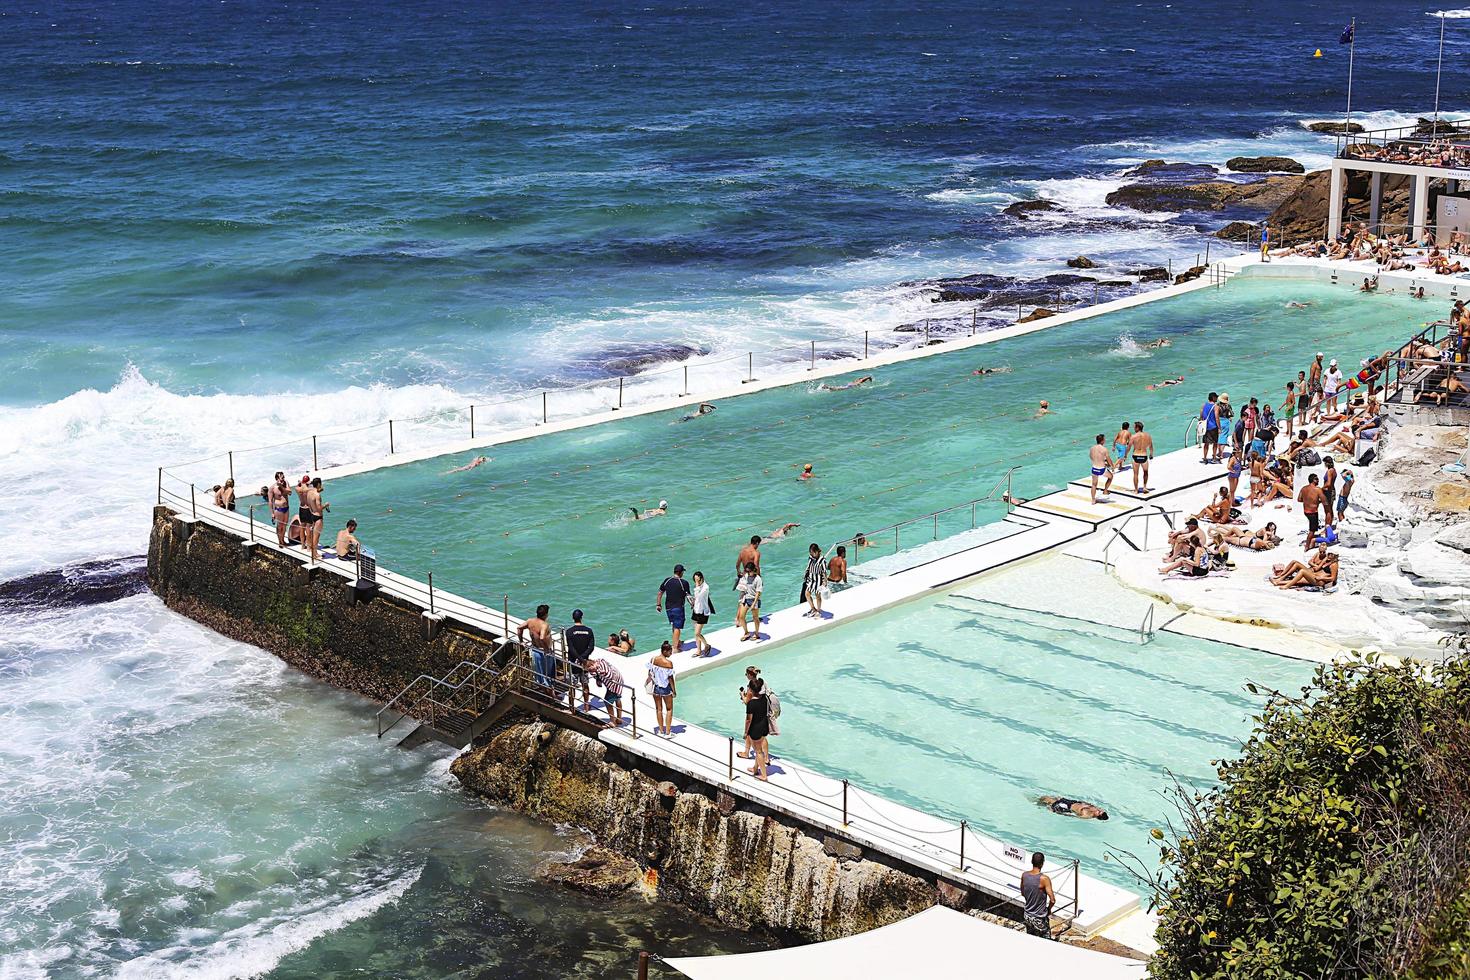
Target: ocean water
{"points": [[231, 223]]}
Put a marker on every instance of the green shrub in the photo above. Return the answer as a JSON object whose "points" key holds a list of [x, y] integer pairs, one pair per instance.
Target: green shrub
{"points": [[1337, 845]]}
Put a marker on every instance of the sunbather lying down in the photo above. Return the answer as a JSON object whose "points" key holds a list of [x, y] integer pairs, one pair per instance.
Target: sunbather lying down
{"points": [[1263, 540], [1320, 571]]}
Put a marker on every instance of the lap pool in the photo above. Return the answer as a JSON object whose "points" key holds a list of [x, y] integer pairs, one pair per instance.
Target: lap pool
{"points": [[547, 520], [971, 710]]}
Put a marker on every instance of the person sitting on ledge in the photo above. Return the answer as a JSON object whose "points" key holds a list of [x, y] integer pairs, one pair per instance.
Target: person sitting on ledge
{"points": [[1217, 511], [1072, 808], [347, 543]]}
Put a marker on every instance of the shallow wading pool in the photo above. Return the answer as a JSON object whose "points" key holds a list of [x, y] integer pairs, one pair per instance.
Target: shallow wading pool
{"points": [[972, 710], [548, 518]]}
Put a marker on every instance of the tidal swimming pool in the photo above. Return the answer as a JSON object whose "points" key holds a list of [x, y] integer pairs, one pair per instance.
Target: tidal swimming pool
{"points": [[547, 519], [972, 710]]}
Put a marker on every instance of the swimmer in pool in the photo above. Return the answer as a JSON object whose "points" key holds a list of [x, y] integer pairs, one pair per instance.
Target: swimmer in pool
{"points": [[659, 511], [477, 461], [1072, 808], [781, 531], [806, 473], [1167, 382], [704, 409], [1157, 344], [1043, 409], [989, 370], [1296, 305], [851, 384]]}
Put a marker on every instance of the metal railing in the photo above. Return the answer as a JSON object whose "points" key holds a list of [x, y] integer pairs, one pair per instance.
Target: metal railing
{"points": [[1120, 531], [859, 543], [1146, 628]]}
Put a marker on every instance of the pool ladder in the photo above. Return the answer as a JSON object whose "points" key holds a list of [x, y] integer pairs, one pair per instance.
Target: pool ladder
{"points": [[1146, 628]]}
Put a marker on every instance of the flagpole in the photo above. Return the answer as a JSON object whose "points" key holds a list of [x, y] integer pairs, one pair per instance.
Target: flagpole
{"points": [[1437, 70], [1352, 45]]}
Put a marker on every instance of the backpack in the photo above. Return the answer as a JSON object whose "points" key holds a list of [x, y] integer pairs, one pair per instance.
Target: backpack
{"points": [[1308, 457], [773, 704]]}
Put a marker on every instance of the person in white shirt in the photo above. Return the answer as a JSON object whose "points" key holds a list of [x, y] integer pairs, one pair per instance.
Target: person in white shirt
{"points": [[1331, 383], [703, 608]]}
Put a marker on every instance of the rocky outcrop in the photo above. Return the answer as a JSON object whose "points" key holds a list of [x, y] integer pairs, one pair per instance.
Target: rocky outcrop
{"points": [[1029, 209], [1264, 165], [1040, 313], [1161, 170], [1152, 274], [1302, 216], [1335, 127], [1081, 262], [1210, 195], [1240, 231], [713, 853], [1188, 274], [597, 871]]}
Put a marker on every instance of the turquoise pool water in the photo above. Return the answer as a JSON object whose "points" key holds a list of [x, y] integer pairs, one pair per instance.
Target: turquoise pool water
{"points": [[972, 710], [547, 519]]}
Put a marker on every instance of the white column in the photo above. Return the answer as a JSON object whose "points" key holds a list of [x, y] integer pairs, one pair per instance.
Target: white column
{"points": [[1419, 208], [1375, 200], [1334, 201]]}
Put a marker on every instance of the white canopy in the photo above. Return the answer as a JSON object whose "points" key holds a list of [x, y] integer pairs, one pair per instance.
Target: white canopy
{"points": [[938, 942]]}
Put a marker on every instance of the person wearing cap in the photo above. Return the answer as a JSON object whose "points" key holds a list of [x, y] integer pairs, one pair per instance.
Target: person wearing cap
{"points": [[580, 642], [659, 511], [671, 598], [1314, 384], [1331, 382]]}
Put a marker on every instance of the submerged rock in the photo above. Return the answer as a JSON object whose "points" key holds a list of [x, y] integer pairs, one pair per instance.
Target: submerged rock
{"points": [[1040, 313], [1161, 170], [86, 583], [1081, 262], [1155, 273], [1264, 165], [599, 871], [1026, 209], [1335, 127]]}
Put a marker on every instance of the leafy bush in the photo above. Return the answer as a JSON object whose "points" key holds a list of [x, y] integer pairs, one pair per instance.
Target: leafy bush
{"points": [[1337, 845]]}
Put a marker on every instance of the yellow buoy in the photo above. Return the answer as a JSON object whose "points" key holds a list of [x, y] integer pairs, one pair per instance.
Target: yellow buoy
{"points": [[1317, 53]]}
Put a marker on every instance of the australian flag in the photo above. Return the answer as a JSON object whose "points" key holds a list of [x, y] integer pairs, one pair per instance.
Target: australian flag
{"points": [[1347, 35]]}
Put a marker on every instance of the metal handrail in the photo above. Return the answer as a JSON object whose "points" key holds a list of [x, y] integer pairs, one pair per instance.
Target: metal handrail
{"points": [[1005, 478], [1147, 515], [1146, 628]]}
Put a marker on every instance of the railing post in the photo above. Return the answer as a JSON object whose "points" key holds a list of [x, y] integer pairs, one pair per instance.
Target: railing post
{"points": [[620, 393], [505, 614], [431, 592], [472, 421], [750, 365], [964, 828], [972, 515], [865, 345], [160, 484], [936, 525], [974, 320], [895, 540], [730, 769], [390, 437], [193, 501], [314, 465], [686, 380], [635, 714], [252, 522], [1076, 869], [926, 331], [543, 408], [231, 454], [844, 803], [642, 966], [814, 357]]}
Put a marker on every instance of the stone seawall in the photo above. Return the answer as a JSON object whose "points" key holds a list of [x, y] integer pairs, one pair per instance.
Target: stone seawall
{"points": [[305, 616], [725, 857]]}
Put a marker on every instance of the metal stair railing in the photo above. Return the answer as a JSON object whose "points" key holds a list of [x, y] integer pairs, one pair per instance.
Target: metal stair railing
{"points": [[430, 699], [1147, 517]]}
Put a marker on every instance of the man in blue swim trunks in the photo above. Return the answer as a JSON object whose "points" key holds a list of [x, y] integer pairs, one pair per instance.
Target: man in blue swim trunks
{"points": [[672, 596], [1102, 465]]}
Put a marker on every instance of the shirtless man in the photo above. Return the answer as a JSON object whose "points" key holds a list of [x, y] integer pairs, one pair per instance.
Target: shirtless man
{"points": [[704, 409], [1312, 498], [750, 553], [652, 512], [1141, 446], [543, 662], [1102, 464], [779, 533], [278, 496], [851, 384], [806, 473], [1120, 446], [477, 461], [1314, 385], [837, 567], [1072, 808], [317, 509], [306, 514], [347, 543], [1043, 409]]}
